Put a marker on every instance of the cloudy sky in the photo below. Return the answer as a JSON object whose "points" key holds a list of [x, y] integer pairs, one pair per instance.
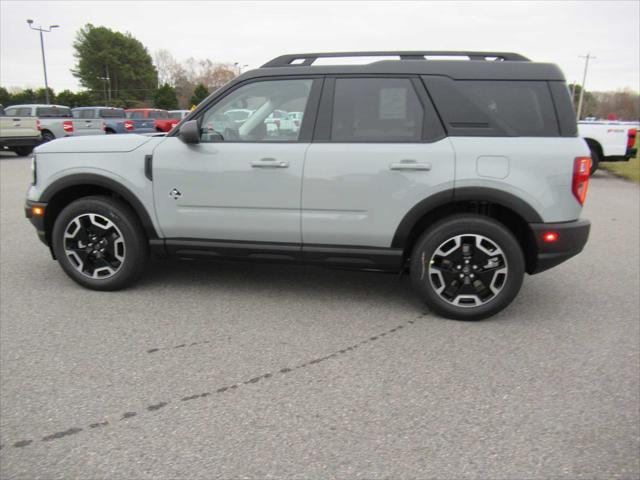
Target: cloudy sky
{"points": [[254, 32]]}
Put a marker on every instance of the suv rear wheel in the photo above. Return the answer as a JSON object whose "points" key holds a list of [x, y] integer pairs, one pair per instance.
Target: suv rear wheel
{"points": [[99, 243], [467, 267]]}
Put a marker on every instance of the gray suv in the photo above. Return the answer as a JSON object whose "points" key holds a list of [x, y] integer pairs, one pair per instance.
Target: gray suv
{"points": [[467, 173]]}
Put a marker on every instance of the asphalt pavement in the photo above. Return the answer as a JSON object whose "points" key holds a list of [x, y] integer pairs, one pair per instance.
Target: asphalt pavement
{"points": [[207, 370]]}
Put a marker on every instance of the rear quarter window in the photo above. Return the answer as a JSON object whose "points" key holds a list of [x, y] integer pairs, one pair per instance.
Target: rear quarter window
{"points": [[494, 108], [135, 115], [111, 113], [53, 112]]}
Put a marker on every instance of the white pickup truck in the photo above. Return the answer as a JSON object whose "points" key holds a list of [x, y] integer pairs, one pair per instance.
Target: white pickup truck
{"points": [[56, 121], [609, 141], [19, 134]]}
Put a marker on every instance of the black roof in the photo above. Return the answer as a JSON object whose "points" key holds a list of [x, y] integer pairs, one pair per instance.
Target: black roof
{"points": [[472, 66]]}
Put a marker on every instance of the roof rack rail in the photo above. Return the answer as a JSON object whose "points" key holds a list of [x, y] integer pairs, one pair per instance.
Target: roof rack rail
{"points": [[306, 59]]}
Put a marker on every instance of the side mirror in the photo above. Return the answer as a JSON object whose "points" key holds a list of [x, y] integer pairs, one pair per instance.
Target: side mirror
{"points": [[190, 132]]}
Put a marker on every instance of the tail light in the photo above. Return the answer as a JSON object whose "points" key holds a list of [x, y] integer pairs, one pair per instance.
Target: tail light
{"points": [[580, 183], [631, 138], [38, 125], [128, 125], [67, 125]]}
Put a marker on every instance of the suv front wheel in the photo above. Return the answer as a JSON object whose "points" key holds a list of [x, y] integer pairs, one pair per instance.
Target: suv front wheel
{"points": [[467, 267], [99, 243]]}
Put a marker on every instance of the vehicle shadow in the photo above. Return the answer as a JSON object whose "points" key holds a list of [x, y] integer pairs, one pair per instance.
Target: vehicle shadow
{"points": [[276, 279]]}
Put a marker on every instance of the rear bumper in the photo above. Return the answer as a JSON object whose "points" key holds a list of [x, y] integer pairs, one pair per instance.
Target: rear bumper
{"points": [[572, 237], [20, 141], [629, 154], [37, 221]]}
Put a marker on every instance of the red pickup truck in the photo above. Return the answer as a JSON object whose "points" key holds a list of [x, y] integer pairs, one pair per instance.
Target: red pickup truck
{"points": [[161, 117]]}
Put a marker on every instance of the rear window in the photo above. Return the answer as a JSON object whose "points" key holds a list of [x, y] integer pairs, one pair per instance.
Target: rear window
{"points": [[494, 108], [111, 113], [57, 112]]}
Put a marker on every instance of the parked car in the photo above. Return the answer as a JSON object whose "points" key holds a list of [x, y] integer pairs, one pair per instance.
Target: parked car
{"points": [[56, 121], [466, 173], [161, 117], [114, 120], [19, 134], [291, 122], [178, 114], [609, 141]]}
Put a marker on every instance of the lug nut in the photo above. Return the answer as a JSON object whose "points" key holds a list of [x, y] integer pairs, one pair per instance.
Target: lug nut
{"points": [[466, 260], [471, 275], [462, 275], [458, 267], [475, 267]]}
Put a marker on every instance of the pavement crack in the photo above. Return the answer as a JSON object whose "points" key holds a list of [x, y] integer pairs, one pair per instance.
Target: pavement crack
{"points": [[222, 389]]}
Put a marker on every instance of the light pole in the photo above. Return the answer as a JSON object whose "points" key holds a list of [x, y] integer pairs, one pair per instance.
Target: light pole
{"points": [[584, 79], [44, 63], [239, 67]]}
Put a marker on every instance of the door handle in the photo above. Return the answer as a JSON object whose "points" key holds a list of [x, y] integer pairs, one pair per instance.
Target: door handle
{"points": [[16, 119], [410, 165], [269, 163]]}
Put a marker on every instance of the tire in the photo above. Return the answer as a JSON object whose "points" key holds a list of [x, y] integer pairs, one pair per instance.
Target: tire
{"points": [[95, 222], [47, 136], [22, 151], [108, 131], [436, 277], [595, 159]]}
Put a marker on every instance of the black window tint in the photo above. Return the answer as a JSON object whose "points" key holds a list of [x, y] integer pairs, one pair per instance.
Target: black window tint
{"points": [[53, 112], [564, 109], [494, 108], [376, 110]]}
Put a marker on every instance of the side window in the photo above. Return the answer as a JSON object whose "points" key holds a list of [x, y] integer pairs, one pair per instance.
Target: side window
{"points": [[256, 112], [53, 112], [18, 112], [376, 110], [494, 108], [85, 113]]}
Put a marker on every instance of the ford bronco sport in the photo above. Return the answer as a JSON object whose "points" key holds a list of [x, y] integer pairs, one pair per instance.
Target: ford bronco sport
{"points": [[468, 173]]}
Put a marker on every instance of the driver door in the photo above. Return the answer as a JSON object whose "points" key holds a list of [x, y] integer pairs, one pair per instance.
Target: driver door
{"points": [[242, 182]]}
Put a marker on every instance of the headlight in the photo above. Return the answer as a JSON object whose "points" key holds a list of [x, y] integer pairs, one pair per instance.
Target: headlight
{"points": [[34, 173]]}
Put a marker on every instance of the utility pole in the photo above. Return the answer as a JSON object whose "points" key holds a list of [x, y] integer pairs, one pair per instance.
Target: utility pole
{"points": [[44, 63], [573, 93], [584, 80], [109, 82]]}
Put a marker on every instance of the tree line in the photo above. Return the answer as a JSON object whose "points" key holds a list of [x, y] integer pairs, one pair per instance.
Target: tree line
{"points": [[621, 104], [116, 69]]}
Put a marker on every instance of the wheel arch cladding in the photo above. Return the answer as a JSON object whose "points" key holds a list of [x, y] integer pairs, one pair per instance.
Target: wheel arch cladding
{"points": [[65, 190], [504, 207]]}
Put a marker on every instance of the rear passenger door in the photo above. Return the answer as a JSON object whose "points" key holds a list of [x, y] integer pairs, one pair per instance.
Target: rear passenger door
{"points": [[86, 122], [379, 149]]}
